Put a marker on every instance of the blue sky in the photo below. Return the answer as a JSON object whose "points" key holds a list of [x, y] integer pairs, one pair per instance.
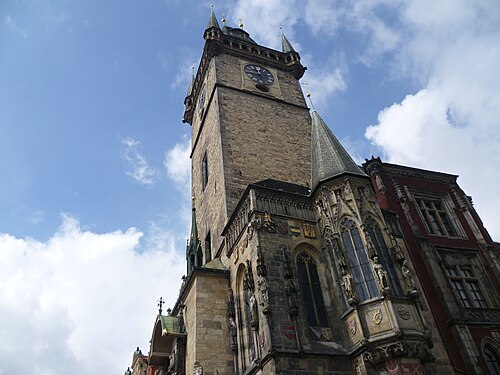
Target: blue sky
{"points": [[94, 207]]}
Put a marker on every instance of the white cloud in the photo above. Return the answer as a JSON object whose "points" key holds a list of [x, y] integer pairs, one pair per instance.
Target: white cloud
{"points": [[138, 167], [262, 19], [80, 302], [178, 165], [451, 124], [12, 25]]}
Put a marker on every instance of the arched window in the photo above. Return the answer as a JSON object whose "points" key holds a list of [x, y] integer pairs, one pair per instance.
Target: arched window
{"points": [[311, 291], [378, 240], [358, 260], [492, 359]]}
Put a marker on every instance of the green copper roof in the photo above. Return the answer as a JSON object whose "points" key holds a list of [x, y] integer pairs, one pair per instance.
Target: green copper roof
{"points": [[215, 264], [212, 22], [328, 157], [170, 325]]}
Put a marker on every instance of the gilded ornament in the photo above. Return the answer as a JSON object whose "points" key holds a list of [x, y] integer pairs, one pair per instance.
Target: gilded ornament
{"points": [[309, 230], [376, 316]]}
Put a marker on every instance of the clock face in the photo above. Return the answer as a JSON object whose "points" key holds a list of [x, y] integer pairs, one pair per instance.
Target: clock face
{"points": [[201, 101], [259, 74]]}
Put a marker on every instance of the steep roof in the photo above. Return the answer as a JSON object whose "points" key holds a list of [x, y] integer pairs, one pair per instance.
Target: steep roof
{"points": [[328, 157]]}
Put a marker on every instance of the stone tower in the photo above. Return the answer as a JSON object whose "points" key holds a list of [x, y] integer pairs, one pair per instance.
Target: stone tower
{"points": [[249, 122], [294, 264]]}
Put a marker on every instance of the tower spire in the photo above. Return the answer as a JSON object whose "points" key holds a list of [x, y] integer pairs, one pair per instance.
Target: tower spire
{"points": [[286, 46], [328, 157], [212, 21], [193, 247]]}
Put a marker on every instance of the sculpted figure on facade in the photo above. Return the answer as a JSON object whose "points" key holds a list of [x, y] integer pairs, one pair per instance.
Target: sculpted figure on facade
{"points": [[348, 287], [381, 275], [409, 282]]}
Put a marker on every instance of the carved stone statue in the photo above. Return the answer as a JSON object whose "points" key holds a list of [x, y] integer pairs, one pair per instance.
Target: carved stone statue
{"points": [[347, 285], [264, 295], [410, 284], [381, 275], [254, 313], [291, 292]]}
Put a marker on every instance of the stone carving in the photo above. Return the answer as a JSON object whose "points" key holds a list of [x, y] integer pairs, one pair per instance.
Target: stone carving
{"points": [[248, 282], [268, 225], [283, 228], [409, 282], [262, 283], [381, 275], [309, 230], [254, 312], [398, 253], [287, 266], [376, 316], [353, 326], [231, 315], [403, 313], [348, 287], [264, 295], [291, 293], [384, 352], [370, 247]]}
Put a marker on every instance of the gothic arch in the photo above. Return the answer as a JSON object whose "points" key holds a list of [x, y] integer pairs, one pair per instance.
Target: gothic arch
{"points": [[357, 258], [490, 350], [311, 275], [378, 238]]}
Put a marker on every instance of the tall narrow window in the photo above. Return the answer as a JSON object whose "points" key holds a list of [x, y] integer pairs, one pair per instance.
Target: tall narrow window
{"points": [[466, 287], [358, 260], [436, 217], [311, 291], [204, 171], [378, 240], [208, 248]]}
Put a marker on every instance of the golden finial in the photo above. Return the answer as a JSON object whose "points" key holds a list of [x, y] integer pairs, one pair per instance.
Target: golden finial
{"points": [[281, 29], [211, 6], [224, 19], [241, 24]]}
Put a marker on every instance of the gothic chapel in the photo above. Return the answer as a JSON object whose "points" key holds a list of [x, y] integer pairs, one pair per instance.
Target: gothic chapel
{"points": [[302, 262]]}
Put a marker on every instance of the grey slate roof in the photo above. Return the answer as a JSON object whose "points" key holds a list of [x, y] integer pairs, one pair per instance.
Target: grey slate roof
{"points": [[328, 157], [212, 22], [286, 46]]}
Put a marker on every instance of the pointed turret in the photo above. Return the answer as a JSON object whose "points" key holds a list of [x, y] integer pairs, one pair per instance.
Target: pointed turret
{"points": [[212, 22], [193, 251], [286, 46], [328, 157]]}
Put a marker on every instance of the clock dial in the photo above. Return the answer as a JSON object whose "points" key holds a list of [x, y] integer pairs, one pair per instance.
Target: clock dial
{"points": [[201, 101], [259, 74]]}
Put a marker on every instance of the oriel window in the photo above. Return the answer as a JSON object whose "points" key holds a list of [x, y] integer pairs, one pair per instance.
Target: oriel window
{"points": [[378, 240], [358, 260]]}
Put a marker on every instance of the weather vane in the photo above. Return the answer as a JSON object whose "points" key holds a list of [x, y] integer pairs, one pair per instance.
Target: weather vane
{"points": [[160, 304], [308, 95], [241, 23]]}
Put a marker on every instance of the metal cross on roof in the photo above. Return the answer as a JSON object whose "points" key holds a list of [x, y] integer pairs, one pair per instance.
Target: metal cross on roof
{"points": [[160, 304]]}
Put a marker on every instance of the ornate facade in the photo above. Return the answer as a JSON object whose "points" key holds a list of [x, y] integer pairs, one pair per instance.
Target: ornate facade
{"points": [[301, 261]]}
